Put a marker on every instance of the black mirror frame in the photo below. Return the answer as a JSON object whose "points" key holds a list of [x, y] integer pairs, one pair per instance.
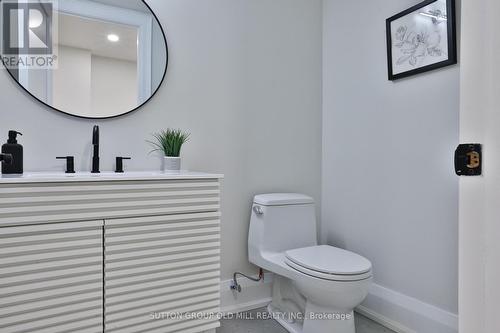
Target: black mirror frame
{"points": [[110, 117]]}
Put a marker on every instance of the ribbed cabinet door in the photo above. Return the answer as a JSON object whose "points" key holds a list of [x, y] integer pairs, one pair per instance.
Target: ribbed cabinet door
{"points": [[155, 266], [51, 278]]}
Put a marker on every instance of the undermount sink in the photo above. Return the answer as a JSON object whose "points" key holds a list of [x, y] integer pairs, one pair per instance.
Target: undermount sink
{"points": [[36, 175], [103, 176], [85, 174]]}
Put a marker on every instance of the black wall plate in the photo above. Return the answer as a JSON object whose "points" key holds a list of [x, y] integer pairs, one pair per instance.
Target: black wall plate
{"points": [[469, 159]]}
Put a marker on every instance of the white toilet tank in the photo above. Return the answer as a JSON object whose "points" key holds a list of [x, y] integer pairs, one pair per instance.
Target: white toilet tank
{"points": [[280, 222]]}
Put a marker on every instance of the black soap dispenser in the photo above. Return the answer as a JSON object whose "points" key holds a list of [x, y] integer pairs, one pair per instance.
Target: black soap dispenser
{"points": [[16, 150]]}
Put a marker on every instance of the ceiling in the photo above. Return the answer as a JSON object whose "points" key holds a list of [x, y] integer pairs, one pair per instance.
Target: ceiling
{"points": [[89, 34], [128, 4]]}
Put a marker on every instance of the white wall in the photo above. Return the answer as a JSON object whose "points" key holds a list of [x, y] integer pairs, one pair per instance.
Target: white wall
{"points": [[37, 83], [389, 190], [114, 86], [244, 78], [72, 80], [91, 85], [159, 57]]}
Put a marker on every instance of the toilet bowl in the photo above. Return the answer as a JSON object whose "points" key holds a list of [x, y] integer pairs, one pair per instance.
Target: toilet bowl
{"points": [[316, 287]]}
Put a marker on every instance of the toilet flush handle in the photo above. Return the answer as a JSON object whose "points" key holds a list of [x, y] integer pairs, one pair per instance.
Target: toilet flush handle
{"points": [[258, 210]]}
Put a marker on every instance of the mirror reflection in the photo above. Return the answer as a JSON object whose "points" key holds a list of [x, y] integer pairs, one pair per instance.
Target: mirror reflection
{"points": [[109, 56]]}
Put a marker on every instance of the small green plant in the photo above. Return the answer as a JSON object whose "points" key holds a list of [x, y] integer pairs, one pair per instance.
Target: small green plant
{"points": [[169, 142]]}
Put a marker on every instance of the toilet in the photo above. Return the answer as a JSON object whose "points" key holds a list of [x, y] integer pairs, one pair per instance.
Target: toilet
{"points": [[315, 287]]}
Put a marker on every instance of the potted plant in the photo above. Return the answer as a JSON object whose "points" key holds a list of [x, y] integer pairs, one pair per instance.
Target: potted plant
{"points": [[170, 142]]}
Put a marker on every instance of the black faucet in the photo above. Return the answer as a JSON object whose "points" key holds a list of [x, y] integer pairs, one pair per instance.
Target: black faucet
{"points": [[95, 143]]}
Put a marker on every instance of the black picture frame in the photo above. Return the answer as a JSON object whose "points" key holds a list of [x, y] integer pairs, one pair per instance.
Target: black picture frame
{"points": [[451, 36]]}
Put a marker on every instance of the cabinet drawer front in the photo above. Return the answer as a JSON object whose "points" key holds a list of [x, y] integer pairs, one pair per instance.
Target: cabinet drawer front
{"points": [[22, 204], [159, 265], [51, 278]]}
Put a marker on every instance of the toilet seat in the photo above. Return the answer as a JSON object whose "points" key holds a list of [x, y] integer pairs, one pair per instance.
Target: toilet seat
{"points": [[330, 263]]}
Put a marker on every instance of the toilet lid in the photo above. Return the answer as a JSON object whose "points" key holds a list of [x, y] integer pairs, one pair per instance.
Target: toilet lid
{"points": [[329, 260]]}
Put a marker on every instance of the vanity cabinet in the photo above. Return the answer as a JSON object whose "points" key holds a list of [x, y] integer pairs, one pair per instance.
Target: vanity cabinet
{"points": [[110, 255], [51, 278], [161, 264]]}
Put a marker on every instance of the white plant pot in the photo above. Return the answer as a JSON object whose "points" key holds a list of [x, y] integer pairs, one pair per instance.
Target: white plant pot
{"points": [[171, 164]]}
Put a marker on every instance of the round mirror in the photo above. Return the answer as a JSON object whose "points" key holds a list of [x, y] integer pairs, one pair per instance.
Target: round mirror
{"points": [[88, 58]]}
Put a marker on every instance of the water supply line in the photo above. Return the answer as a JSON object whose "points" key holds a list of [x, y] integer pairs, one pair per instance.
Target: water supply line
{"points": [[236, 286]]}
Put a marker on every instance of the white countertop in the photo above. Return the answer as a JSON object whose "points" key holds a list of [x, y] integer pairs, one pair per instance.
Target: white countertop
{"points": [[55, 177]]}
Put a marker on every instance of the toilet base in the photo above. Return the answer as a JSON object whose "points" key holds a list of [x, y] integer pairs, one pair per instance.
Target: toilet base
{"points": [[329, 325]]}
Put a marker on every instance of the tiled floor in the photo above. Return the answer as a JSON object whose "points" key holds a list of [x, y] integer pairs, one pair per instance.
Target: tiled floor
{"points": [[363, 325]]}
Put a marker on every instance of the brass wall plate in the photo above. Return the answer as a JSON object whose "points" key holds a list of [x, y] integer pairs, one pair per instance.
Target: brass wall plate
{"points": [[474, 160]]}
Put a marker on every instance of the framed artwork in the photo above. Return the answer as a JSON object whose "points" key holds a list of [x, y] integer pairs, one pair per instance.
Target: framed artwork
{"points": [[422, 38]]}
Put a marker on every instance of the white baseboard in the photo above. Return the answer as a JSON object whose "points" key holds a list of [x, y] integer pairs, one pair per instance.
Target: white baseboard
{"points": [[382, 320], [253, 295], [405, 314], [398, 312]]}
